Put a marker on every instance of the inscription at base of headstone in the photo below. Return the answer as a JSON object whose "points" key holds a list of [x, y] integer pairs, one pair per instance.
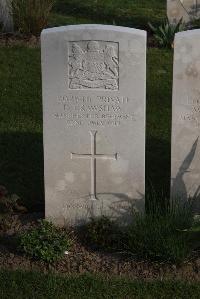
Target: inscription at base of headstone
{"points": [[186, 10], [185, 173], [94, 81]]}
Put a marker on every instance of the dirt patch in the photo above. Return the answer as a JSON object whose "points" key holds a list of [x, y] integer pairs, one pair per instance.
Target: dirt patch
{"points": [[82, 259], [13, 40]]}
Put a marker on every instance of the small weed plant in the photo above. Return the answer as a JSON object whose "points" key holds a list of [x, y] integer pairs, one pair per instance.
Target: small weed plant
{"points": [[31, 16], [165, 33], [45, 242]]}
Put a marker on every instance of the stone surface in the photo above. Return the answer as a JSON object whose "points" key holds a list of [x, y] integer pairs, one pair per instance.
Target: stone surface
{"points": [[186, 9], [94, 122], [185, 171], [5, 15]]}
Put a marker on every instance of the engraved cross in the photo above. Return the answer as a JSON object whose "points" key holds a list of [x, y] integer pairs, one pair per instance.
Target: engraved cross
{"points": [[93, 157]]}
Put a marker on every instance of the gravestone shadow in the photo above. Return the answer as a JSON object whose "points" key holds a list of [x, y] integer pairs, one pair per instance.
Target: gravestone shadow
{"points": [[21, 167], [121, 217], [178, 184], [125, 214], [158, 157], [119, 207]]}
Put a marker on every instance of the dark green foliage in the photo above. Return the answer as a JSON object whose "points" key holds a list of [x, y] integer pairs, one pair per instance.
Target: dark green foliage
{"points": [[165, 33], [102, 233], [25, 285], [44, 242], [161, 237], [129, 13]]}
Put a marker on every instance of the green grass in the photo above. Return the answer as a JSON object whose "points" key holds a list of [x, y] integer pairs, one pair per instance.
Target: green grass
{"points": [[21, 150], [57, 19], [27, 285], [132, 13]]}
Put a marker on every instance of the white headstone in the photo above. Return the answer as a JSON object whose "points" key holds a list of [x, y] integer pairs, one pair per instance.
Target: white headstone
{"points": [[6, 16], [185, 9], [94, 80], [185, 166]]}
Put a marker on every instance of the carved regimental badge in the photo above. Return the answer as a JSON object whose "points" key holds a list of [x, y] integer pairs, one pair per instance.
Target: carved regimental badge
{"points": [[93, 65]]}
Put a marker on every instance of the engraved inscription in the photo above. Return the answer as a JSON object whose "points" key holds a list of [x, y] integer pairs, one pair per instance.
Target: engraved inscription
{"points": [[87, 206], [93, 65], [93, 156], [193, 103], [194, 116], [94, 111]]}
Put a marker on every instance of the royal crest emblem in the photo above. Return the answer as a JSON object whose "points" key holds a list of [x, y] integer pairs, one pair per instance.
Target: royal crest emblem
{"points": [[94, 65]]}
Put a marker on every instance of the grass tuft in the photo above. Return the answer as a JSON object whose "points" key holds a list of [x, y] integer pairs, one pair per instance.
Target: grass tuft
{"points": [[31, 16]]}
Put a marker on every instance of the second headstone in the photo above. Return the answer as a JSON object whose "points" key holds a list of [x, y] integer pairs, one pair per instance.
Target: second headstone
{"points": [[185, 170], [187, 10]]}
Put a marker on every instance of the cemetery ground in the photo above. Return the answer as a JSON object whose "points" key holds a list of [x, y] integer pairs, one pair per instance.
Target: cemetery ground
{"points": [[22, 166], [21, 171]]}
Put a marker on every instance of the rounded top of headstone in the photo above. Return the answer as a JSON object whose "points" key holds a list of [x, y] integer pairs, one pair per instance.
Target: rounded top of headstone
{"points": [[187, 33], [92, 27]]}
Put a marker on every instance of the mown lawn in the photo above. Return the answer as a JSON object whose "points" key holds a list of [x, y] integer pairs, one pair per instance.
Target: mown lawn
{"points": [[58, 19], [132, 13], [27, 285], [21, 148]]}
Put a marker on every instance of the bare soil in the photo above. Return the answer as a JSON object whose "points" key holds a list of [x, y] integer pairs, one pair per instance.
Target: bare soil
{"points": [[12, 40], [17, 39]]}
